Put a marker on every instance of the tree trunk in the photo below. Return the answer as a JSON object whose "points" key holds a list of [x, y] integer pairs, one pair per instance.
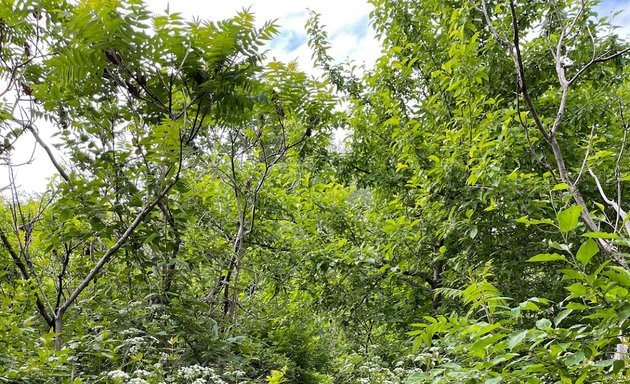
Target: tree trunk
{"points": [[58, 331]]}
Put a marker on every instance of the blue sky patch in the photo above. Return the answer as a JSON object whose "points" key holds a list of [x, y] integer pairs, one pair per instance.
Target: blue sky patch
{"points": [[289, 40], [359, 28]]}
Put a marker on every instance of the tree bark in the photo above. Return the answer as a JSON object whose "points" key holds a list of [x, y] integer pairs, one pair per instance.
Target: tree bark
{"points": [[58, 331]]}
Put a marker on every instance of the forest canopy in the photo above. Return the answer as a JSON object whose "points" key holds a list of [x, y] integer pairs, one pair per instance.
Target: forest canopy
{"points": [[203, 227]]}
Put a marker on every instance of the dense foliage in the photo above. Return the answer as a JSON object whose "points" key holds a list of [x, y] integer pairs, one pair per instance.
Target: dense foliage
{"points": [[202, 227]]}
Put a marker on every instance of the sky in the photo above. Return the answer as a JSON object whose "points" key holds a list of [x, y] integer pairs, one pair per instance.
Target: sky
{"points": [[347, 23]]}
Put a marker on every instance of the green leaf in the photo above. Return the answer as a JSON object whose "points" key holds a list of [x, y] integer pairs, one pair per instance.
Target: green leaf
{"points": [[618, 365], [577, 290], [417, 343], [415, 378], [542, 257], [619, 275], [576, 306], [525, 220], [560, 187], [543, 324], [515, 339], [568, 218], [587, 251], [561, 316], [601, 235], [494, 380], [581, 379], [574, 359], [528, 306]]}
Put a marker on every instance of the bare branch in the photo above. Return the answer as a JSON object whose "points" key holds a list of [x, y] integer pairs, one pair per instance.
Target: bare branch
{"points": [[109, 253], [588, 150], [618, 162], [25, 275], [51, 156], [613, 204], [601, 59], [503, 41], [518, 61]]}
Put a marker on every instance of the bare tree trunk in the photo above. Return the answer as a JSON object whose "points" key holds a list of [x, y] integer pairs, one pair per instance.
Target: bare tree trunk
{"points": [[228, 304], [58, 331]]}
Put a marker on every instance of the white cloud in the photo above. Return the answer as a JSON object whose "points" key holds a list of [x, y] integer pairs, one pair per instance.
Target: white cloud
{"points": [[340, 18]]}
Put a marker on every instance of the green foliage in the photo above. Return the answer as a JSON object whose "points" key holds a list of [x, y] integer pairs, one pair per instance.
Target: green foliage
{"points": [[203, 228]]}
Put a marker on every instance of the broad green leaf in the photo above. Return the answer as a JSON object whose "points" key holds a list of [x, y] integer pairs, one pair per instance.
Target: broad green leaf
{"points": [[543, 324], [494, 380], [568, 218], [542, 257], [586, 251], [416, 378], [560, 187], [618, 365], [577, 289], [529, 306], [574, 359], [525, 220], [515, 339], [576, 306], [601, 235], [561, 316], [619, 275]]}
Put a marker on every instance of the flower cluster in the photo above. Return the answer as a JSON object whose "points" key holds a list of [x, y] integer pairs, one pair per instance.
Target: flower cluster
{"points": [[197, 374], [375, 371]]}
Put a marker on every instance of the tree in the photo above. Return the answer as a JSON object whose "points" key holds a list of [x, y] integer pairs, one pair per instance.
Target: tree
{"points": [[438, 127], [203, 227], [128, 105]]}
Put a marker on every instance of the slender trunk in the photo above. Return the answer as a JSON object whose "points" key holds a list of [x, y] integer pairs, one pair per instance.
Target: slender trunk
{"points": [[168, 270], [437, 283], [226, 285], [232, 268], [58, 331]]}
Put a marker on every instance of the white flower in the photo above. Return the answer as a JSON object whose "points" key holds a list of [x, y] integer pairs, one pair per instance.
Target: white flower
{"points": [[142, 372], [117, 374], [137, 380]]}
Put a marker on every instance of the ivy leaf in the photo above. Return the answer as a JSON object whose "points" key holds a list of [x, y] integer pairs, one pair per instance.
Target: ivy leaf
{"points": [[568, 218]]}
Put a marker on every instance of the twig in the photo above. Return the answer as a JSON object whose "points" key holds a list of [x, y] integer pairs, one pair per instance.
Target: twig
{"points": [[51, 156], [620, 212]]}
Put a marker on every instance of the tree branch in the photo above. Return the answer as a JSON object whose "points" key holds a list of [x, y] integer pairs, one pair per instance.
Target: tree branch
{"points": [[114, 248], [25, 275], [56, 164], [613, 204], [520, 70]]}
